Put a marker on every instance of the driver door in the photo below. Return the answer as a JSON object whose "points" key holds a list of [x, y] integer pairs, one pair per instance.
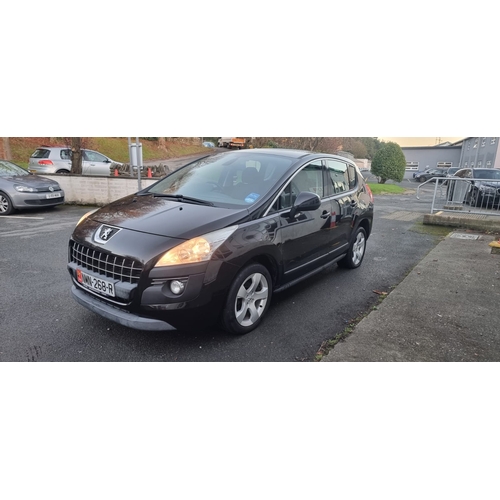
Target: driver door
{"points": [[95, 163], [306, 239]]}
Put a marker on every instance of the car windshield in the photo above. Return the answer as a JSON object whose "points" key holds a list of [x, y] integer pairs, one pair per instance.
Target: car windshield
{"points": [[226, 180], [8, 169], [488, 173]]}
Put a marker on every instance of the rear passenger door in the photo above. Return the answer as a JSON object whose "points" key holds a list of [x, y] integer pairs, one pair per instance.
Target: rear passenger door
{"points": [[341, 188]]}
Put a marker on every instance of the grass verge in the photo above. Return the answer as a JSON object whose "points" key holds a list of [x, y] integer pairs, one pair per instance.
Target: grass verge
{"points": [[386, 189], [440, 231]]}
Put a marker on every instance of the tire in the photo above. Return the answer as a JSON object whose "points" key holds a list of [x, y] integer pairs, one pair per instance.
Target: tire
{"points": [[421, 179], [475, 199], [356, 251], [248, 300], [6, 206], [62, 171]]}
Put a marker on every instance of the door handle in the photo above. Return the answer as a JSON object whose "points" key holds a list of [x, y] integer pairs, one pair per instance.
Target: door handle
{"points": [[325, 215]]}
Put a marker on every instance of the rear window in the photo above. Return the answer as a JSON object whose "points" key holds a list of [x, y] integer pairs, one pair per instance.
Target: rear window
{"points": [[41, 153]]}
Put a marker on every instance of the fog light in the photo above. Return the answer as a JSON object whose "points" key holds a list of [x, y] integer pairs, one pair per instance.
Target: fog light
{"points": [[177, 287]]}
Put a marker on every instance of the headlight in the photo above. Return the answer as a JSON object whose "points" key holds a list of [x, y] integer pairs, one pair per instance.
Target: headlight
{"points": [[86, 215], [24, 189], [197, 249]]}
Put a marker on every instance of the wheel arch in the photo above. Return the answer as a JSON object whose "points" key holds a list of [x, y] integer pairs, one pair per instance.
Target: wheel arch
{"points": [[365, 224]]}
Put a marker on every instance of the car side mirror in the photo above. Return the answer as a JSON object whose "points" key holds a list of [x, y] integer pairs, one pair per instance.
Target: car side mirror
{"points": [[107, 160], [305, 202]]}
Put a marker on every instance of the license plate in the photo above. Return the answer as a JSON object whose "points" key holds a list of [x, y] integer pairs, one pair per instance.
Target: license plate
{"points": [[53, 195], [97, 284]]}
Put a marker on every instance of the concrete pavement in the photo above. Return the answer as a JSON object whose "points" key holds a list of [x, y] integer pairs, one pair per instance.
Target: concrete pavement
{"points": [[446, 309]]}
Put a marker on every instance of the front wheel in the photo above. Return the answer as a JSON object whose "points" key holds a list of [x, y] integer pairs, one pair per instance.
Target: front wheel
{"points": [[421, 179], [356, 250], [6, 206], [248, 300]]}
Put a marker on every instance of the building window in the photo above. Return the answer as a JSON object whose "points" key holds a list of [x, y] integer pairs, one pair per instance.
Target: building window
{"points": [[475, 143], [483, 142], [479, 163], [412, 165], [444, 164], [493, 140], [488, 163]]}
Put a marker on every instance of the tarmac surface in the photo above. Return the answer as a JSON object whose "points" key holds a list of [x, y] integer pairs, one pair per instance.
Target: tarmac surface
{"points": [[446, 309]]}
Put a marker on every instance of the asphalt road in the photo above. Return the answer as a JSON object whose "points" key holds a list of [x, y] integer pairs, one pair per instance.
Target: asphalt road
{"points": [[40, 321]]}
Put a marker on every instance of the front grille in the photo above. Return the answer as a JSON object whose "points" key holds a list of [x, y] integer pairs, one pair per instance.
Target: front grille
{"points": [[111, 266]]}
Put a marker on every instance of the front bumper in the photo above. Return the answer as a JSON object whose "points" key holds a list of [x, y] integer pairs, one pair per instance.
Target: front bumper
{"points": [[120, 316], [33, 200]]}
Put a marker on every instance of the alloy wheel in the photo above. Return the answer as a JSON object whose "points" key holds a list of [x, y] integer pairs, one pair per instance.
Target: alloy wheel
{"points": [[358, 248], [251, 299]]}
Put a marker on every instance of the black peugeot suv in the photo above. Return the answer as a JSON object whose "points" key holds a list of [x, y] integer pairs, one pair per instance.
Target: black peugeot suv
{"points": [[216, 238]]}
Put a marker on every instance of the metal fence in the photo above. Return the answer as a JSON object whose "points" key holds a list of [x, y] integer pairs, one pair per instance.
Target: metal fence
{"points": [[471, 196]]}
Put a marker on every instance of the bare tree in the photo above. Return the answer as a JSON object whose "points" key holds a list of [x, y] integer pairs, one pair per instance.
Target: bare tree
{"points": [[76, 159], [7, 155]]}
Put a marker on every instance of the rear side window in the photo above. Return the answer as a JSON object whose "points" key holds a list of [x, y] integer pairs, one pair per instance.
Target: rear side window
{"points": [[65, 154], [338, 178], [352, 176], [41, 153]]}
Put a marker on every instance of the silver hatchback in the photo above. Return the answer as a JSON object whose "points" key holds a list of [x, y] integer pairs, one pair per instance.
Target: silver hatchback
{"points": [[57, 160], [20, 189]]}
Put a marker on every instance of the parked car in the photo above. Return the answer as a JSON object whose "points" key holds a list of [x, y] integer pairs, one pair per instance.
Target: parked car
{"points": [[483, 186], [208, 144], [20, 190], [430, 173], [57, 160], [452, 171], [215, 239]]}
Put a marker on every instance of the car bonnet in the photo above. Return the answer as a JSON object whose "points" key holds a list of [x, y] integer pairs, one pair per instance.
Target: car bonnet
{"points": [[165, 217]]}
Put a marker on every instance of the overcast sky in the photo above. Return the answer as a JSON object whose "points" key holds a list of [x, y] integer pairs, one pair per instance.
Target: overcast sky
{"points": [[419, 141]]}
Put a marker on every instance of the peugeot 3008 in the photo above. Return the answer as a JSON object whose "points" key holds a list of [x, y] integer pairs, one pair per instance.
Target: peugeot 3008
{"points": [[216, 238]]}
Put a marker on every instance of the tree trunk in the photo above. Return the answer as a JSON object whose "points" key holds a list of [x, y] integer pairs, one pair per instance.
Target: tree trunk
{"points": [[76, 160], [7, 155]]}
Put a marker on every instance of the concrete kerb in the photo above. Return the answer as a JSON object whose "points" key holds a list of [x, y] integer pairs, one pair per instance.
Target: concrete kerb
{"points": [[444, 310], [482, 223]]}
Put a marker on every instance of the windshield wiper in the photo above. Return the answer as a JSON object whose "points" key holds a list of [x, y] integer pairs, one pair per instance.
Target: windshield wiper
{"points": [[181, 197]]}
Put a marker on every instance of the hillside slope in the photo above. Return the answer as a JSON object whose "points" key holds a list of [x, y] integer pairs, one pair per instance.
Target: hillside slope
{"points": [[114, 147]]}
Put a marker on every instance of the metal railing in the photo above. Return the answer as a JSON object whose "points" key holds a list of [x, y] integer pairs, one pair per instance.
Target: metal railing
{"points": [[471, 196]]}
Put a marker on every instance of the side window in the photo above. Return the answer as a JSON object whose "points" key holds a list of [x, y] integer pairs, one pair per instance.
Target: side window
{"points": [[338, 177], [353, 181], [65, 154], [284, 200], [310, 178], [93, 156]]}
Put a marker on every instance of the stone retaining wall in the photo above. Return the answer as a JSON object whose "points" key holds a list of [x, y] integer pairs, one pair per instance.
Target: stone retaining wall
{"points": [[93, 190]]}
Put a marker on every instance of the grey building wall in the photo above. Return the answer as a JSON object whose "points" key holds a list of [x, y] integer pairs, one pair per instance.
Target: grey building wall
{"points": [[429, 157], [480, 152]]}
